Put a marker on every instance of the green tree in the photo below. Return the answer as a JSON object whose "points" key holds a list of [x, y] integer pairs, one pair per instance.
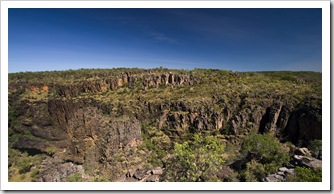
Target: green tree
{"points": [[199, 160], [265, 152], [254, 171]]}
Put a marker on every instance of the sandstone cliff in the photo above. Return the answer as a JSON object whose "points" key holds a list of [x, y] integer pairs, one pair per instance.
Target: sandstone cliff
{"points": [[102, 119]]}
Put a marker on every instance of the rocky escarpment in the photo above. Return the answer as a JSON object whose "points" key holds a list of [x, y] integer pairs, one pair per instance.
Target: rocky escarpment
{"points": [[100, 122], [127, 79]]}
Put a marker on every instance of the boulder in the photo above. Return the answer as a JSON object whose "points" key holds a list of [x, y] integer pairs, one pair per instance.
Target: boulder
{"points": [[303, 152], [281, 173], [279, 177], [157, 171], [53, 170], [308, 161], [153, 178], [139, 174], [271, 178], [283, 169]]}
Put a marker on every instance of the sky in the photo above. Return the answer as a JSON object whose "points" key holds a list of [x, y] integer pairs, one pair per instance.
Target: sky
{"points": [[269, 39]]}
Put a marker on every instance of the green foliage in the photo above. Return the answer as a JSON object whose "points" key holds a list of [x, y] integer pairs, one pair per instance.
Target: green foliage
{"points": [[315, 146], [25, 164], [264, 149], [303, 174], [199, 160], [51, 150], [157, 142], [34, 173], [76, 177], [254, 171], [99, 178], [225, 130], [22, 167]]}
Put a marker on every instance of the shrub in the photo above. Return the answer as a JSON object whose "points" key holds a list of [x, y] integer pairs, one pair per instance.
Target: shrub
{"points": [[265, 149], [199, 160], [76, 177], [51, 150], [254, 171], [303, 174], [25, 164], [34, 174], [315, 147]]}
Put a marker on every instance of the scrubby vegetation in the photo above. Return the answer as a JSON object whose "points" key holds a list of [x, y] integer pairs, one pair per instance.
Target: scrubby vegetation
{"points": [[303, 174], [197, 125], [266, 154], [198, 160]]}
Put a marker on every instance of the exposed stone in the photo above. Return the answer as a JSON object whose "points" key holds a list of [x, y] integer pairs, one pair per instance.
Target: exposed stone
{"points": [[157, 171], [279, 177], [139, 174], [153, 178], [53, 170], [271, 178], [303, 151], [281, 173], [290, 171], [85, 127], [283, 169], [305, 124], [308, 161]]}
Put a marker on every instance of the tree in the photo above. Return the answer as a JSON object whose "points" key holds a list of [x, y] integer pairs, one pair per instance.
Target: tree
{"points": [[265, 152], [199, 160]]}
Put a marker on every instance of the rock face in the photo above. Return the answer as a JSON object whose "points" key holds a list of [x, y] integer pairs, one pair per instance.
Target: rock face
{"points": [[32, 146], [131, 80], [99, 120], [304, 124], [52, 170]]}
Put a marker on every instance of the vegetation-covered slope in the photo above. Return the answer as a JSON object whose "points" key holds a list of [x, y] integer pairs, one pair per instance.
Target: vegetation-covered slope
{"points": [[162, 124]]}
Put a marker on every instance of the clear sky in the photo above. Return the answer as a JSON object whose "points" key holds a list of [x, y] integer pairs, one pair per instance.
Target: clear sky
{"points": [[231, 39]]}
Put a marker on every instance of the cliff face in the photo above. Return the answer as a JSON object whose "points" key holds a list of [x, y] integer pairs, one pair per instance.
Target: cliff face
{"points": [[101, 120]]}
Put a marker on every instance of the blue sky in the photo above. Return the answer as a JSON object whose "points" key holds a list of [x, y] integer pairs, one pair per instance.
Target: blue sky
{"points": [[231, 39]]}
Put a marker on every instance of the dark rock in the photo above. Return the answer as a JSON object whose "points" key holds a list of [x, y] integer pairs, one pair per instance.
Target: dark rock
{"points": [[139, 174], [305, 124], [32, 146]]}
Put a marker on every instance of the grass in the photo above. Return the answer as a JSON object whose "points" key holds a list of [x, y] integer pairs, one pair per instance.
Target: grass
{"points": [[22, 167]]}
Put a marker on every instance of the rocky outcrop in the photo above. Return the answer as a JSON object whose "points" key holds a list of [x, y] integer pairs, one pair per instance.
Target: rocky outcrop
{"points": [[98, 120], [304, 125], [142, 175], [55, 170], [280, 176], [98, 85], [309, 162], [31, 145]]}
